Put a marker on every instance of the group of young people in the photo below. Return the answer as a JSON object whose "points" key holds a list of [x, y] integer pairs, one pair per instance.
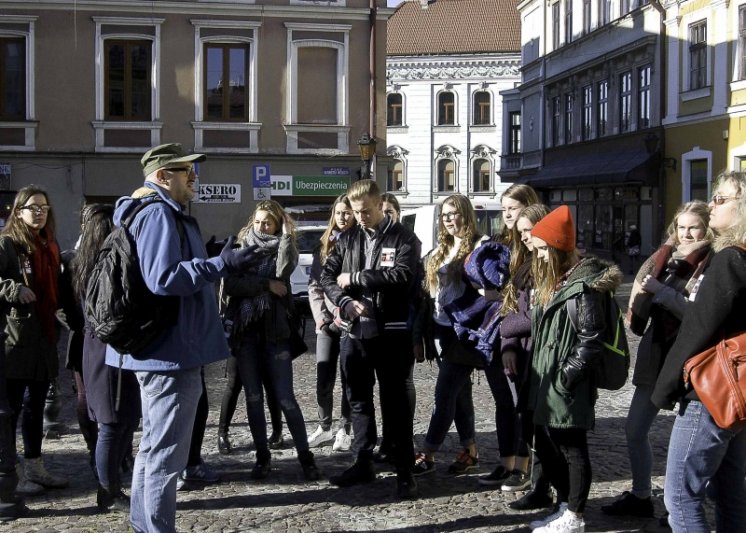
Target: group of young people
{"points": [[526, 307]]}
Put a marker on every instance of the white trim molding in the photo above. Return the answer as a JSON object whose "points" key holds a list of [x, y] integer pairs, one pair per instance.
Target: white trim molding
{"points": [[452, 69], [26, 28], [200, 125], [686, 178], [100, 125]]}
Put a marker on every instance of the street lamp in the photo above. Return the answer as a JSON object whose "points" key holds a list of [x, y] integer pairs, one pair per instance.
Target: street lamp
{"points": [[367, 145]]}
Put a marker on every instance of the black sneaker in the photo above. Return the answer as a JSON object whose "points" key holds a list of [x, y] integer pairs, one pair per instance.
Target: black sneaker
{"points": [[224, 445], [630, 505], [359, 473], [276, 441], [406, 486], [533, 499], [516, 481], [307, 462], [497, 477], [262, 466]]}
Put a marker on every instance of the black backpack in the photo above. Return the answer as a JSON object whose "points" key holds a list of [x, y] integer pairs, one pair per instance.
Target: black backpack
{"points": [[119, 308], [612, 366]]}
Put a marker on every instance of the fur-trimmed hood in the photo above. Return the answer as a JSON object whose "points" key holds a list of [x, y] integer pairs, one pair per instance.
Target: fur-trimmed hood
{"points": [[601, 275]]}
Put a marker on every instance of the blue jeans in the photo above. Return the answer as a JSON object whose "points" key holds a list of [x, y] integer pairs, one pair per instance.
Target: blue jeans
{"points": [[640, 419], [327, 360], [257, 356], [700, 453], [169, 404]]}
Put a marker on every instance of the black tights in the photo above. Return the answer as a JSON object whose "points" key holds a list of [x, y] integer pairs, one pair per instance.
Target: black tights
{"points": [[566, 463]]}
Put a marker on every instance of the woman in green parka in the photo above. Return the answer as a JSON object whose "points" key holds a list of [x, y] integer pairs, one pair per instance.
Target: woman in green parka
{"points": [[29, 274], [562, 391]]}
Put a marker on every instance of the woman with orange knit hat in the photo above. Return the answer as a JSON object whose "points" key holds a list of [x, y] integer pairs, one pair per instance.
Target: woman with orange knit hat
{"points": [[567, 322]]}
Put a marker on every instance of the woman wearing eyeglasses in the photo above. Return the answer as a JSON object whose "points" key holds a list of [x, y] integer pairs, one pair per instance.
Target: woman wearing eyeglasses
{"points": [[663, 288], [444, 268], [29, 276], [704, 459], [259, 302]]}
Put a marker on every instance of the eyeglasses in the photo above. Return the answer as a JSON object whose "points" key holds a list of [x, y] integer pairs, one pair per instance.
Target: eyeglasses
{"points": [[188, 170], [719, 199], [36, 209], [450, 216]]}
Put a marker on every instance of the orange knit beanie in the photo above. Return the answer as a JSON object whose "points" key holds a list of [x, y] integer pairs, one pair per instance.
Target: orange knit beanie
{"points": [[557, 229]]}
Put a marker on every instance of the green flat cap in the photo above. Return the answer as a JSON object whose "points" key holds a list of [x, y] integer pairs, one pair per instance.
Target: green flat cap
{"points": [[167, 154]]}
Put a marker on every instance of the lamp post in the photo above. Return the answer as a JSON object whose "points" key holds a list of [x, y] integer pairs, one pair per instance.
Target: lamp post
{"points": [[367, 145]]}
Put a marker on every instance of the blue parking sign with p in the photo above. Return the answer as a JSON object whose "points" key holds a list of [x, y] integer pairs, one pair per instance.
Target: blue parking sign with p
{"points": [[260, 176]]}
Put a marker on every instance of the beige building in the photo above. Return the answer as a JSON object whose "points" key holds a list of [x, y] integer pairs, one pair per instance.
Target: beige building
{"points": [[277, 93]]}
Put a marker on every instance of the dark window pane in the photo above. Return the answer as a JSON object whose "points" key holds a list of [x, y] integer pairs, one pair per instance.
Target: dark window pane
{"points": [[12, 79]]}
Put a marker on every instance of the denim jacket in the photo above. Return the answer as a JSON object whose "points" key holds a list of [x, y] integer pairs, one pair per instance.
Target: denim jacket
{"points": [[174, 267]]}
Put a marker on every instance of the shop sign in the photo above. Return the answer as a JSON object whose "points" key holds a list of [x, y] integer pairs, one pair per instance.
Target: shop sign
{"points": [[309, 185], [217, 193]]}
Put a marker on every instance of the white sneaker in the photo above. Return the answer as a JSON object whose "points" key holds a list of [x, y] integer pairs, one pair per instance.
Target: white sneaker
{"points": [[342, 442], [319, 437], [547, 519], [569, 522]]}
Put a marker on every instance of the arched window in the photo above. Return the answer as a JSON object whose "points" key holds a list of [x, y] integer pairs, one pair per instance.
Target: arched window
{"points": [[446, 175], [482, 112], [446, 109], [394, 110], [481, 175], [396, 177]]}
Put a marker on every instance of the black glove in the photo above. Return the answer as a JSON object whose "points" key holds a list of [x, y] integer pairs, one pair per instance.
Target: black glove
{"points": [[572, 373], [215, 247], [237, 259]]}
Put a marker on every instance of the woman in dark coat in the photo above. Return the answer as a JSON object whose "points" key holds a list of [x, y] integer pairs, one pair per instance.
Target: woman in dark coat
{"points": [[113, 394], [29, 291]]}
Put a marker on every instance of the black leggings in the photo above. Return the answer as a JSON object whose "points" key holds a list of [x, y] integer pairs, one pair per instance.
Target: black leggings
{"points": [[566, 463], [33, 413]]}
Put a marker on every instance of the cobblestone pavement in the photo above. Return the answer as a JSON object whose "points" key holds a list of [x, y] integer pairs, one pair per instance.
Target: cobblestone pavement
{"points": [[284, 502]]}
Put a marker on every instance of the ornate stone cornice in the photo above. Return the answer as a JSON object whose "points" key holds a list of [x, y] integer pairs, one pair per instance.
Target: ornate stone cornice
{"points": [[454, 69]]}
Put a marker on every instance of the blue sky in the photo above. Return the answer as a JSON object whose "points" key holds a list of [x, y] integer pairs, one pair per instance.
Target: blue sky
{"points": [[393, 3]]}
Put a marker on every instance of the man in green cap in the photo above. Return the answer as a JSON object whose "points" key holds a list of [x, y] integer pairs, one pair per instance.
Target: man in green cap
{"points": [[174, 262]]}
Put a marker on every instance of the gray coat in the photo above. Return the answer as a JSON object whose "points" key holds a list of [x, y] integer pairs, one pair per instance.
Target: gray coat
{"points": [[29, 355]]}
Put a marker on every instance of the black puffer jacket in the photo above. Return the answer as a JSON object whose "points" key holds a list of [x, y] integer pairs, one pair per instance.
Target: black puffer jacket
{"points": [[392, 288]]}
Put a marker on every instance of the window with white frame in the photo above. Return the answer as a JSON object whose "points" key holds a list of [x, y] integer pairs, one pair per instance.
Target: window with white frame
{"points": [[602, 105], [587, 112], [12, 78], [568, 21], [698, 55], [482, 112], [481, 170], [696, 174], [446, 108], [698, 183], [446, 175], [643, 97], [624, 7], [17, 113], [625, 102], [394, 109], [225, 118], [604, 12], [514, 146], [127, 80], [319, 59], [555, 25], [569, 103], [586, 16], [396, 177], [742, 42], [556, 118]]}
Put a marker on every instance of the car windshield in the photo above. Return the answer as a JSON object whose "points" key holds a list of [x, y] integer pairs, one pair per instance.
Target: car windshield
{"points": [[308, 240]]}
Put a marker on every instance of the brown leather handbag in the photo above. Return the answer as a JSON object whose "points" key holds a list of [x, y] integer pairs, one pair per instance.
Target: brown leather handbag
{"points": [[718, 376]]}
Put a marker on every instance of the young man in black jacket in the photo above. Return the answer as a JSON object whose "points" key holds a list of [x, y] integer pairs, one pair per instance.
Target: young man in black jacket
{"points": [[370, 276]]}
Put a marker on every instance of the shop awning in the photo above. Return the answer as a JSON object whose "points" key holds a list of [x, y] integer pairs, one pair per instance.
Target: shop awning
{"points": [[597, 164]]}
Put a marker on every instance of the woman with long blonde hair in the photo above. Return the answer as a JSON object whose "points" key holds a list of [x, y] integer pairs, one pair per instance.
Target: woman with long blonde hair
{"points": [[259, 303], [457, 238], [328, 334]]}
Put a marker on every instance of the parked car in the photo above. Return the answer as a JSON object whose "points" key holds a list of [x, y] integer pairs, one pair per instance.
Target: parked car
{"points": [[307, 238], [423, 221]]}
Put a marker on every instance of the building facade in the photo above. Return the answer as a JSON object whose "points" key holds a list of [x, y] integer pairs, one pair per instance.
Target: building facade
{"points": [[590, 116], [444, 116], [276, 93]]}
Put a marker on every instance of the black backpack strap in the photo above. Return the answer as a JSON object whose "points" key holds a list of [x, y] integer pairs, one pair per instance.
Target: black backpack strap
{"points": [[142, 205]]}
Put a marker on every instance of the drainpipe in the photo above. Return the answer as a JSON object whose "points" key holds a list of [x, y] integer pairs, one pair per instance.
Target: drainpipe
{"points": [[664, 109], [372, 68]]}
